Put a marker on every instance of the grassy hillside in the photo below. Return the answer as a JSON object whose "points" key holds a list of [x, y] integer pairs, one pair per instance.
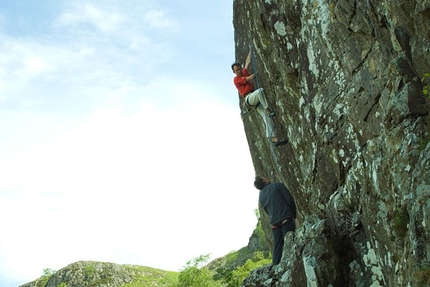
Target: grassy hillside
{"points": [[90, 273], [227, 271]]}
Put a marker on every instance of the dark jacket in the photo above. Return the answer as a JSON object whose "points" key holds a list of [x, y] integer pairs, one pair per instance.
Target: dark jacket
{"points": [[278, 202]]}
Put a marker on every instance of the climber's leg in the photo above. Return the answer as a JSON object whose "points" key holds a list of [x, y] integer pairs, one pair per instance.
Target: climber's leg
{"points": [[278, 242], [278, 239], [270, 130], [257, 97]]}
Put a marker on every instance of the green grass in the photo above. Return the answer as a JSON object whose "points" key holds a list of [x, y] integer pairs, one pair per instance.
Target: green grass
{"points": [[147, 276]]}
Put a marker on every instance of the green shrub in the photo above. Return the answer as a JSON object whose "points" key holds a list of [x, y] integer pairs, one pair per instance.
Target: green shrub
{"points": [[195, 274], [239, 274], [422, 142], [47, 274], [401, 220], [233, 278], [89, 270]]}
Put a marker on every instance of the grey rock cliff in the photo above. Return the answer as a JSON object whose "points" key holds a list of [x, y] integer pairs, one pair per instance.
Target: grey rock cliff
{"points": [[345, 80]]}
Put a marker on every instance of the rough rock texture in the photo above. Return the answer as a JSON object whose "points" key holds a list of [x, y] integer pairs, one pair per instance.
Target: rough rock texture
{"points": [[344, 79], [104, 274]]}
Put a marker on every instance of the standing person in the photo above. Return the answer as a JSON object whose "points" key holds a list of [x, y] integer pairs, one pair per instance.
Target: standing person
{"points": [[278, 202], [251, 98]]}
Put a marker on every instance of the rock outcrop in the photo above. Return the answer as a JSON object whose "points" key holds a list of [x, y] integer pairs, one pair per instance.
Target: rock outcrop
{"points": [[345, 80], [93, 273]]}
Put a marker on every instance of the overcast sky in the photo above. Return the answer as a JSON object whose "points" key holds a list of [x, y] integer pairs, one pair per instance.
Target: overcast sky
{"points": [[120, 135]]}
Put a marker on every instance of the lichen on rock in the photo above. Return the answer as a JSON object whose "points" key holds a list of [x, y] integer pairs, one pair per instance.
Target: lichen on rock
{"points": [[344, 79]]}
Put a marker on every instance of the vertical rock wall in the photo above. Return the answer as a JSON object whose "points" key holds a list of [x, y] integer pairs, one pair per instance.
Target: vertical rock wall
{"points": [[344, 77]]}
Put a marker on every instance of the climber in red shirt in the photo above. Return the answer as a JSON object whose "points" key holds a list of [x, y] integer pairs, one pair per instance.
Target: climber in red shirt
{"points": [[251, 98]]}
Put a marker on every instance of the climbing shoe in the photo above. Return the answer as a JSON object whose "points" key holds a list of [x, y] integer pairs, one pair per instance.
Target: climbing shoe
{"points": [[270, 113], [280, 142]]}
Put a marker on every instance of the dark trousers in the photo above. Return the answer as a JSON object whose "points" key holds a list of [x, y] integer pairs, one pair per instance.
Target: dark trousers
{"points": [[278, 238]]}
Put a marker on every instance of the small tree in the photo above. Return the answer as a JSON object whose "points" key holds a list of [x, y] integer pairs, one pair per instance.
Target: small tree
{"points": [[195, 274], [47, 274]]}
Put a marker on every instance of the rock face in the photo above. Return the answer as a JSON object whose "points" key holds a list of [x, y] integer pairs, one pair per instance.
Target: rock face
{"points": [[344, 78]]}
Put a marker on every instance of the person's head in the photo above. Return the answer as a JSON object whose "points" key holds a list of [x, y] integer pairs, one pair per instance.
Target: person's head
{"points": [[260, 182], [237, 68]]}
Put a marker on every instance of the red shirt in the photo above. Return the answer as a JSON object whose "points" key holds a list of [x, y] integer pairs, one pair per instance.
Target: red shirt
{"points": [[242, 85]]}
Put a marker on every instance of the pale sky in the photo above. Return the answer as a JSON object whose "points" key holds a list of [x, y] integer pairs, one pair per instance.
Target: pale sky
{"points": [[120, 135]]}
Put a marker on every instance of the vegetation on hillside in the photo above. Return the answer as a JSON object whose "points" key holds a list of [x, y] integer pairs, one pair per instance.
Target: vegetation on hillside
{"points": [[196, 273], [233, 268], [153, 277], [227, 271]]}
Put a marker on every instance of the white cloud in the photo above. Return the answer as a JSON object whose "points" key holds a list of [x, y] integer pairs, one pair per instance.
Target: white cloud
{"points": [[117, 17], [112, 149], [158, 19], [104, 21]]}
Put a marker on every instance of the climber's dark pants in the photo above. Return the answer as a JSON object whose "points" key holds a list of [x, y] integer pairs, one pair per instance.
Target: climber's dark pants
{"points": [[278, 239]]}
